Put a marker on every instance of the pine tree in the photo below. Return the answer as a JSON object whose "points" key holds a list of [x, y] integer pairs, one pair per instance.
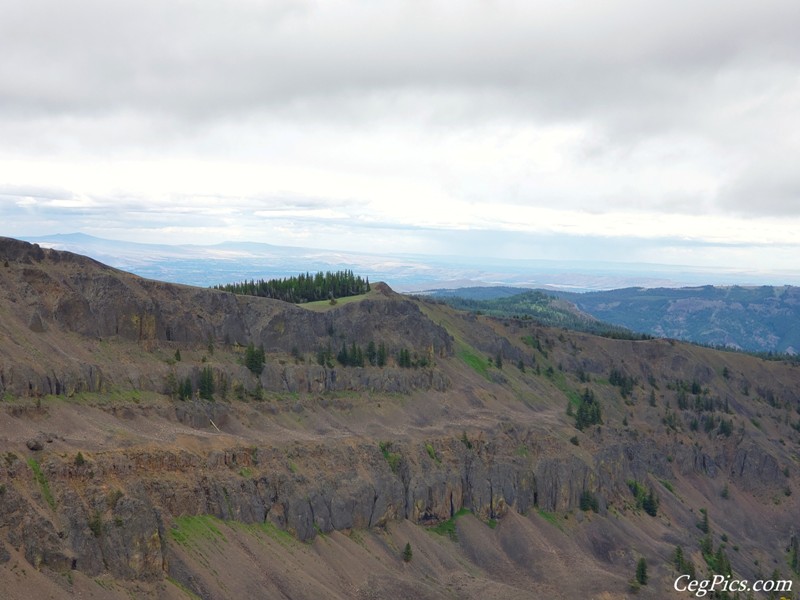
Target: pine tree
{"points": [[254, 358], [407, 552], [678, 559], [382, 355], [641, 571], [343, 357], [185, 389], [703, 524], [650, 503], [206, 385], [588, 412]]}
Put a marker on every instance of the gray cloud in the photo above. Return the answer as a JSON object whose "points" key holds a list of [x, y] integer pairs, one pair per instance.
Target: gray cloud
{"points": [[660, 91], [578, 58]]}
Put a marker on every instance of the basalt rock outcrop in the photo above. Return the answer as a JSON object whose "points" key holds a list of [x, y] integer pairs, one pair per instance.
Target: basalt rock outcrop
{"points": [[50, 294], [103, 456], [111, 511]]}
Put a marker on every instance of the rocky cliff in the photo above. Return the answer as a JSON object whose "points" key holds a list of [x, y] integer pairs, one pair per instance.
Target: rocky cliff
{"points": [[103, 468]]}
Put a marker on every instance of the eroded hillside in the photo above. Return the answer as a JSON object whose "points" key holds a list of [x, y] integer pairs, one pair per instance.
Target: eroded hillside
{"points": [[308, 479]]}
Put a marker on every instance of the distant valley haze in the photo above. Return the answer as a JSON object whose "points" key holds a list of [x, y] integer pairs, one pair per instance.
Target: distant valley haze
{"points": [[207, 265]]}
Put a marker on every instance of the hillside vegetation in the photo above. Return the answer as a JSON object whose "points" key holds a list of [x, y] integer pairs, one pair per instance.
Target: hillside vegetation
{"points": [[759, 319], [532, 304], [479, 458], [303, 287], [763, 319]]}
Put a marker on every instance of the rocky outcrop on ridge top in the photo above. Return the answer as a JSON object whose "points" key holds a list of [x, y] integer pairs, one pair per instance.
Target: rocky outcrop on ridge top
{"points": [[45, 294]]}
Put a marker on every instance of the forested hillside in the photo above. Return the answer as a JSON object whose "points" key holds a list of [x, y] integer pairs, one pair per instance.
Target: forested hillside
{"points": [[530, 304], [756, 319], [303, 287]]}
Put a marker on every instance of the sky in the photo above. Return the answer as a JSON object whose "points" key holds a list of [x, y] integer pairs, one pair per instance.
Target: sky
{"points": [[664, 132]]}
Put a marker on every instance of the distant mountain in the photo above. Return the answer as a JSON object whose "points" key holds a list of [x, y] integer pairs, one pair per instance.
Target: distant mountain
{"points": [[761, 319], [541, 306], [754, 319]]}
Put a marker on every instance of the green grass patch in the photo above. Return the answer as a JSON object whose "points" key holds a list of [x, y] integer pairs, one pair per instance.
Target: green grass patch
{"points": [[667, 485], [448, 527], [474, 362], [183, 588], [257, 530], [189, 530], [432, 452], [42, 481], [550, 518], [572, 395], [393, 458], [246, 472], [325, 305]]}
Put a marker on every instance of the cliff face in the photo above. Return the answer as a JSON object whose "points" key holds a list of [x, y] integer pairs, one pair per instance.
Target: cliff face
{"points": [[111, 511], [102, 463], [47, 297]]}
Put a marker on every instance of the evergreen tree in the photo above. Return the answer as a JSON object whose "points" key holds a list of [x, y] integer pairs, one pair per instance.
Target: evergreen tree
{"points": [[382, 355], [372, 354], [185, 389], [678, 559], [303, 287], [254, 358], [650, 503], [703, 524], [721, 563], [356, 356], [589, 502], [343, 357], [407, 552], [588, 412], [641, 571], [206, 385]]}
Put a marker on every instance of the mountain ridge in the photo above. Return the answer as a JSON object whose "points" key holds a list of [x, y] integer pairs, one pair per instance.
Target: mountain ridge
{"points": [[749, 318], [112, 484]]}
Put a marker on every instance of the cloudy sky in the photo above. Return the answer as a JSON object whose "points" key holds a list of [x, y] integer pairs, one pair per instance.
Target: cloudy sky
{"points": [[621, 130]]}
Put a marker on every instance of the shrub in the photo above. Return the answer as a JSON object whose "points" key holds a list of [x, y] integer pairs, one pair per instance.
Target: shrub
{"points": [[96, 524]]}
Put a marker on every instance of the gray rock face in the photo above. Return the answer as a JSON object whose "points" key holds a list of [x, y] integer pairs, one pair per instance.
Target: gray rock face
{"points": [[330, 488], [55, 293]]}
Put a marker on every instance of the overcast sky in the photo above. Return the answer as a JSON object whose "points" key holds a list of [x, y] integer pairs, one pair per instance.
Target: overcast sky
{"points": [[623, 130]]}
